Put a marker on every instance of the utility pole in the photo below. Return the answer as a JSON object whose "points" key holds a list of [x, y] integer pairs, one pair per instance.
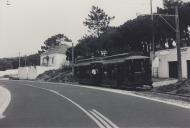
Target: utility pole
{"points": [[25, 59], [177, 31], [178, 44], [153, 38], [72, 59], [19, 59]]}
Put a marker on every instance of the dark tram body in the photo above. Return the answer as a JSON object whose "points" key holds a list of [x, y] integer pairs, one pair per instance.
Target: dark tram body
{"points": [[122, 70]]}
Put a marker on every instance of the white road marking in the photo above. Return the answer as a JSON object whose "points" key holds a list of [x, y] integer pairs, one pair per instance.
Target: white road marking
{"points": [[80, 107], [101, 120], [105, 118], [5, 98]]}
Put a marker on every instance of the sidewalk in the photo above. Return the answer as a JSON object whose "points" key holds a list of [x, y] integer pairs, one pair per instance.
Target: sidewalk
{"points": [[5, 98], [157, 82]]}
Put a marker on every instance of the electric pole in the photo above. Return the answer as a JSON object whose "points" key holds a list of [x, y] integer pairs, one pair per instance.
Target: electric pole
{"points": [[25, 59], [178, 43], [72, 59], [177, 31], [19, 59], [153, 38]]}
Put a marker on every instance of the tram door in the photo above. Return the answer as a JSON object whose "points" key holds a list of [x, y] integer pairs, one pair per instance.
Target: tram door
{"points": [[173, 72], [188, 68]]}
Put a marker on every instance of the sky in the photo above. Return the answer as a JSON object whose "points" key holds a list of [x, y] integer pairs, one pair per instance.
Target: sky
{"points": [[26, 24]]}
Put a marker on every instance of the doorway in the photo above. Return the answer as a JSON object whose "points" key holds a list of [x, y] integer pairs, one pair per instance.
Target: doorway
{"points": [[173, 69], [188, 69]]}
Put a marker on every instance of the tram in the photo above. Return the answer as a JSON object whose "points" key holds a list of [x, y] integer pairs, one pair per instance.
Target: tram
{"points": [[121, 70]]}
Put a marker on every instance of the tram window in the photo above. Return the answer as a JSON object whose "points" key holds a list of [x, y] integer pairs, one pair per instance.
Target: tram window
{"points": [[111, 71], [83, 72], [138, 66], [147, 65]]}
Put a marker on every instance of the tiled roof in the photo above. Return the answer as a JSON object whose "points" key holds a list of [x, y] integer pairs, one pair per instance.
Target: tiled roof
{"points": [[57, 49]]}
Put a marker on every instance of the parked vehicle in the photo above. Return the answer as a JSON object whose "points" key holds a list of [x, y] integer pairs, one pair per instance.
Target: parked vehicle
{"points": [[13, 77], [121, 70]]}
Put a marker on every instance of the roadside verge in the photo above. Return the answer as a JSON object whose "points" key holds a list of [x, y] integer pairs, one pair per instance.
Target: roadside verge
{"points": [[5, 98]]}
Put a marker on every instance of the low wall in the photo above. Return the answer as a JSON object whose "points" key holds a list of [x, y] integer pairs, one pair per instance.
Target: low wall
{"points": [[23, 73], [32, 72]]}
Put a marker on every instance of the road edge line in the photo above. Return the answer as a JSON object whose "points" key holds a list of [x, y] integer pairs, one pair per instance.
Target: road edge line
{"points": [[6, 101]]}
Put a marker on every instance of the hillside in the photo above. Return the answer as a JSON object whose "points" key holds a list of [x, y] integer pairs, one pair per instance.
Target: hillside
{"points": [[60, 75]]}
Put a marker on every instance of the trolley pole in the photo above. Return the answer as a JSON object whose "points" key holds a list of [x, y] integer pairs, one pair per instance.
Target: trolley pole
{"points": [[72, 59], [178, 44]]}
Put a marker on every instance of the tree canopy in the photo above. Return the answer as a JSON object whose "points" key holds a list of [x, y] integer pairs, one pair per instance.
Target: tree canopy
{"points": [[53, 41], [98, 21], [168, 4], [136, 34]]}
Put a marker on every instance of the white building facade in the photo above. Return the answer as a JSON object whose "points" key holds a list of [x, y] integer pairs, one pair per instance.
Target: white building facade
{"points": [[165, 65], [55, 57]]}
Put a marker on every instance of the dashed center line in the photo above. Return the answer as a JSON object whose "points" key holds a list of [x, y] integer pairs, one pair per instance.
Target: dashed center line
{"points": [[100, 120], [105, 119]]}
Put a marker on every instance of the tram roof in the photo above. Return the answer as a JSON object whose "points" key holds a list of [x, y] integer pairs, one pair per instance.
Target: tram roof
{"points": [[119, 58], [82, 64], [137, 57], [113, 61]]}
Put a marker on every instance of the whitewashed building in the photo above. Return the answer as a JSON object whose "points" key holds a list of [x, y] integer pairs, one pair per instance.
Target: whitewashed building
{"points": [[164, 64], [55, 57]]}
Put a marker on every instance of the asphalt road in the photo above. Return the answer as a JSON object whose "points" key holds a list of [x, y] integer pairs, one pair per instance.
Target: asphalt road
{"points": [[35, 104]]}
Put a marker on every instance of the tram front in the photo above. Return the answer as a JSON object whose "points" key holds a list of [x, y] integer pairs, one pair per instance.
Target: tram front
{"points": [[138, 71]]}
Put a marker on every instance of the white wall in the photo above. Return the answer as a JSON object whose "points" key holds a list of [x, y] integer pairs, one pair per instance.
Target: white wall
{"points": [[32, 72], [23, 73], [61, 60]]}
